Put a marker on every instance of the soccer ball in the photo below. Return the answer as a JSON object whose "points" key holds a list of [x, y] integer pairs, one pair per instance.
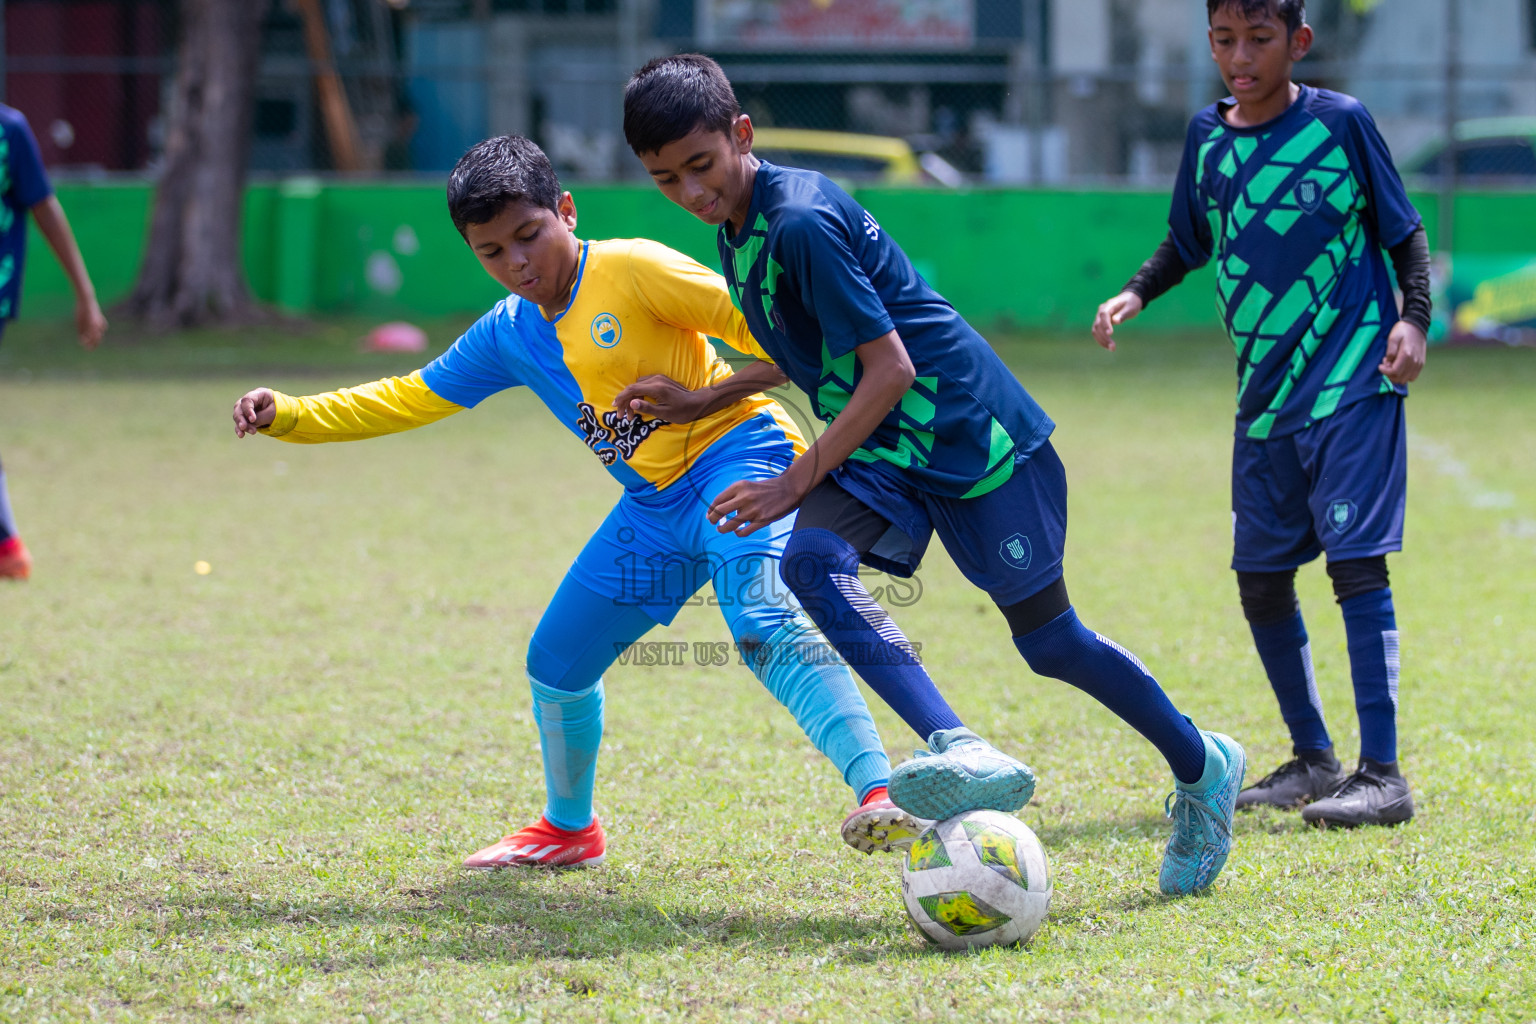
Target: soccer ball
{"points": [[977, 879]]}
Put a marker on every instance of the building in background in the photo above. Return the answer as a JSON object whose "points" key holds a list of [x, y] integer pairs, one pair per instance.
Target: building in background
{"points": [[1007, 91], [87, 74]]}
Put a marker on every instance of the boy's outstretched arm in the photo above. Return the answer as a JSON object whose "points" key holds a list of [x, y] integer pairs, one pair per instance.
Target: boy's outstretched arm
{"points": [[1163, 271], [749, 505], [89, 321], [661, 396], [352, 414]]}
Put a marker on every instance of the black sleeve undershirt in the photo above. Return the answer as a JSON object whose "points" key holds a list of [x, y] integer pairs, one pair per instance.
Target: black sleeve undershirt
{"points": [[1164, 270], [1410, 262]]}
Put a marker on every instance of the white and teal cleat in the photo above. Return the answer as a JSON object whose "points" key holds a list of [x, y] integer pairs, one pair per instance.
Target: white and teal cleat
{"points": [[1202, 819], [960, 772]]}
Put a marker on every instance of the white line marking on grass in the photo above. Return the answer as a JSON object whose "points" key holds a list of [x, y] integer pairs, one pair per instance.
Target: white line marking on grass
{"points": [[1442, 459], [1525, 529]]}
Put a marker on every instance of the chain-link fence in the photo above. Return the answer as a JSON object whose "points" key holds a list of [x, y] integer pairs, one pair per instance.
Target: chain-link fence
{"points": [[1049, 92]]}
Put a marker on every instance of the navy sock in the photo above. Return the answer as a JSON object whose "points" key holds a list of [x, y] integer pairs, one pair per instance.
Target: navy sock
{"points": [[1065, 649], [7, 521], [1287, 656], [1371, 628], [822, 570]]}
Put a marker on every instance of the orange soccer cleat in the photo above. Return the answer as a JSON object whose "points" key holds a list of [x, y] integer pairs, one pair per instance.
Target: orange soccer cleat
{"points": [[879, 825], [542, 845], [15, 560]]}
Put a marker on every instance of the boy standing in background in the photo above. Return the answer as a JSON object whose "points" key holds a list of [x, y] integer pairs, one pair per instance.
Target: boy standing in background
{"points": [[1293, 192], [24, 186]]}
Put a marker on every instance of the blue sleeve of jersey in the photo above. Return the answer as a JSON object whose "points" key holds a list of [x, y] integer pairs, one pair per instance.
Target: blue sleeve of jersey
{"points": [[29, 182], [1387, 203], [1190, 227], [819, 261], [473, 370]]}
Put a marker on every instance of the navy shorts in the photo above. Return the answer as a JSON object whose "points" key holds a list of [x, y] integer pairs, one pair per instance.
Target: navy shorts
{"points": [[1009, 541], [1339, 486]]}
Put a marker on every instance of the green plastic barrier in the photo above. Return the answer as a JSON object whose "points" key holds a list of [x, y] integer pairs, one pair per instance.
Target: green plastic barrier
{"points": [[1016, 258]]}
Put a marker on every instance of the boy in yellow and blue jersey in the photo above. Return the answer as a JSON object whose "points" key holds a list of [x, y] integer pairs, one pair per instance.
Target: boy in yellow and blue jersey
{"points": [[584, 320]]}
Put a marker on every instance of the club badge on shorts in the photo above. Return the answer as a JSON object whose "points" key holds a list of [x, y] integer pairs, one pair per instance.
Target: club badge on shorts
{"points": [[1016, 551], [1342, 515]]}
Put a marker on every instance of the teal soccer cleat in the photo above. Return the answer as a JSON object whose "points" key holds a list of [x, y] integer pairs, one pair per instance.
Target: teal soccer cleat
{"points": [[1202, 819], [960, 772]]}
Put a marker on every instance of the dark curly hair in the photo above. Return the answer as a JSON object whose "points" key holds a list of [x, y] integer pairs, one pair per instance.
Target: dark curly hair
{"points": [[496, 173], [671, 96], [1290, 13]]}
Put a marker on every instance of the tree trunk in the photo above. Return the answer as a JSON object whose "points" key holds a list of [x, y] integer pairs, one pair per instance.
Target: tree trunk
{"points": [[191, 274]]}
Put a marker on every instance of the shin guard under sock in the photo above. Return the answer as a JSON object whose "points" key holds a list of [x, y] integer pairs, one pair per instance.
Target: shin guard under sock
{"points": [[822, 570], [803, 673], [1370, 624], [570, 731], [1065, 649], [7, 520], [1287, 656]]}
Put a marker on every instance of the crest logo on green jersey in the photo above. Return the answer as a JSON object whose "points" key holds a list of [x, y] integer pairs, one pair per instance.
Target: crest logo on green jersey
{"points": [[1309, 195]]}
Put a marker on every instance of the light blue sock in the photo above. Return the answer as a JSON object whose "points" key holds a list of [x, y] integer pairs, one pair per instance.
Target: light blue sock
{"points": [[804, 673], [570, 731], [7, 521]]}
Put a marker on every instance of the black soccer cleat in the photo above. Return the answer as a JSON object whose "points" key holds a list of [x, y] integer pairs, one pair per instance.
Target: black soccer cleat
{"points": [[1301, 780], [1376, 794]]}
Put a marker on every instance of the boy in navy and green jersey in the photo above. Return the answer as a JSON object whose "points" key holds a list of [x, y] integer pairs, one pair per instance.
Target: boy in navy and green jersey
{"points": [[1292, 192], [24, 189], [965, 419], [927, 431]]}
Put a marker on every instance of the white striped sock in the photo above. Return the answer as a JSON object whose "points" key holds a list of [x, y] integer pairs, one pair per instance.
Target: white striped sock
{"points": [[1394, 664], [1313, 697], [854, 593], [1127, 655]]}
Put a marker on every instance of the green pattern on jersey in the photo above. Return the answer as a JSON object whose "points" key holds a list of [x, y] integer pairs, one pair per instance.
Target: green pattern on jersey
{"points": [[7, 218], [745, 258], [916, 411], [836, 385], [1000, 458], [1269, 203]]}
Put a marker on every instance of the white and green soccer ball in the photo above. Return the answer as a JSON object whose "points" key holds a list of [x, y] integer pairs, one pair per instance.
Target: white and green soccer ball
{"points": [[977, 879]]}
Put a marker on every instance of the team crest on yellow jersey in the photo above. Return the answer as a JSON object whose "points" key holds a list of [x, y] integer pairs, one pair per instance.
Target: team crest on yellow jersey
{"points": [[606, 330]]}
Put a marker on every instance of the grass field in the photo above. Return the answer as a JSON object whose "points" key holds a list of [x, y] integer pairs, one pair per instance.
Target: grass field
{"points": [[245, 795]]}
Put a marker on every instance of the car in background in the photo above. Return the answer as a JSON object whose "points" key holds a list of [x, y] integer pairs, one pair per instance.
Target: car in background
{"points": [[1488, 150], [850, 156]]}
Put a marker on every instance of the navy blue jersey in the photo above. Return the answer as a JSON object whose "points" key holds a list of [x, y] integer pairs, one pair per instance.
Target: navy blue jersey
{"points": [[22, 186], [1296, 212], [816, 277]]}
